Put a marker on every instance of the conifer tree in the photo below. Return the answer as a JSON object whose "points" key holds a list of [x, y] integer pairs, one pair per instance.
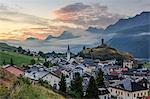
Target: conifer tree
{"points": [[4, 62], [92, 90], [62, 84], [11, 62], [76, 86], [100, 78]]}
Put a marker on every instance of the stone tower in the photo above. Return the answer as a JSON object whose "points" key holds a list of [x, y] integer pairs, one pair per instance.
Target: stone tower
{"points": [[102, 40]]}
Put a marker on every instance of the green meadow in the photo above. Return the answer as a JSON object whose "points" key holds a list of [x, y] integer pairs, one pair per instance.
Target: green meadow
{"points": [[18, 59], [147, 65]]}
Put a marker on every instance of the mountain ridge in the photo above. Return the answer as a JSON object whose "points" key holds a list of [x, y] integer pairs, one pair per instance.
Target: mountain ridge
{"points": [[123, 24], [62, 36]]}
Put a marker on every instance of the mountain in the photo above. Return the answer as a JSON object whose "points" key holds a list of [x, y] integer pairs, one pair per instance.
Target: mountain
{"points": [[122, 24], [32, 38], [132, 35], [105, 52], [136, 30], [64, 35], [139, 46], [50, 37], [95, 30], [138, 23]]}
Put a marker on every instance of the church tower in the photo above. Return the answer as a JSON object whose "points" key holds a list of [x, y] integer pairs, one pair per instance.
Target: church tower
{"points": [[68, 53]]}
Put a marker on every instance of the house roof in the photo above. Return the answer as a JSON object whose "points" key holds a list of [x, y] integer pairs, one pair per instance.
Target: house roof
{"points": [[13, 70], [35, 73], [103, 91], [129, 85]]}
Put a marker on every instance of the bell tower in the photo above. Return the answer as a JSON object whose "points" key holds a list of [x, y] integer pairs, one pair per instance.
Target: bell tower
{"points": [[68, 53]]}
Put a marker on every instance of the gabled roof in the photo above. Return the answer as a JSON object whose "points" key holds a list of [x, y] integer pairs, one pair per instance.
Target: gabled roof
{"points": [[103, 91], [13, 70], [129, 85]]}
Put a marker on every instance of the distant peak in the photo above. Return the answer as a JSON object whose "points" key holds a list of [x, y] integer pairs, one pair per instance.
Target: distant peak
{"points": [[32, 38], [95, 30]]}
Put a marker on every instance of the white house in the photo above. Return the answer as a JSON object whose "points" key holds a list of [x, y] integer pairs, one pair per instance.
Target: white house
{"points": [[128, 64], [127, 89], [35, 72], [103, 93], [55, 60], [79, 69], [52, 79]]}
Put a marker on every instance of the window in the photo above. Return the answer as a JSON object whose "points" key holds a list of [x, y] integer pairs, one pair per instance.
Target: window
{"points": [[138, 94], [116, 91], [128, 95], [134, 95], [121, 93], [145, 93], [141, 94], [111, 90]]}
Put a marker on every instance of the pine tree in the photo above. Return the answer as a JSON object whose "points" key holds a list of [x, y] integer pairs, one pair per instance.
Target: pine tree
{"points": [[4, 62], [11, 62], [100, 79], [76, 86], [62, 84], [32, 62], [92, 90]]}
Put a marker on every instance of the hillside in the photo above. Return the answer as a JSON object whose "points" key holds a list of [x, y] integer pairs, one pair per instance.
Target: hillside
{"points": [[136, 30], [6, 47], [104, 52], [18, 59], [136, 45], [15, 88], [132, 35]]}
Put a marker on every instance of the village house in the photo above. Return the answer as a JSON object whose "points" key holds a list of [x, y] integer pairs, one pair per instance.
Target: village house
{"points": [[128, 63], [36, 72], [13, 70], [103, 93], [53, 79], [128, 89]]}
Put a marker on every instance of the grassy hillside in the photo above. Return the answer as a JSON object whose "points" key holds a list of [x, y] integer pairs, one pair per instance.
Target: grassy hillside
{"points": [[34, 92], [18, 59], [15, 88], [104, 52]]}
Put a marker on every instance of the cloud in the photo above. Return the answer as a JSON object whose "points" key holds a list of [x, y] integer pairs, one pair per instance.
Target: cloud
{"points": [[18, 25], [12, 15], [8, 14], [34, 32], [86, 15], [73, 8]]}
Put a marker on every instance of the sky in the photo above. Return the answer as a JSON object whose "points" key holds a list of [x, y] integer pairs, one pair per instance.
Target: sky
{"points": [[20, 19]]}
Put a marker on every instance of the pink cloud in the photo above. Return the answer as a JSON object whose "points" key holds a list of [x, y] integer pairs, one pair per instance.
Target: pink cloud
{"points": [[86, 15]]}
